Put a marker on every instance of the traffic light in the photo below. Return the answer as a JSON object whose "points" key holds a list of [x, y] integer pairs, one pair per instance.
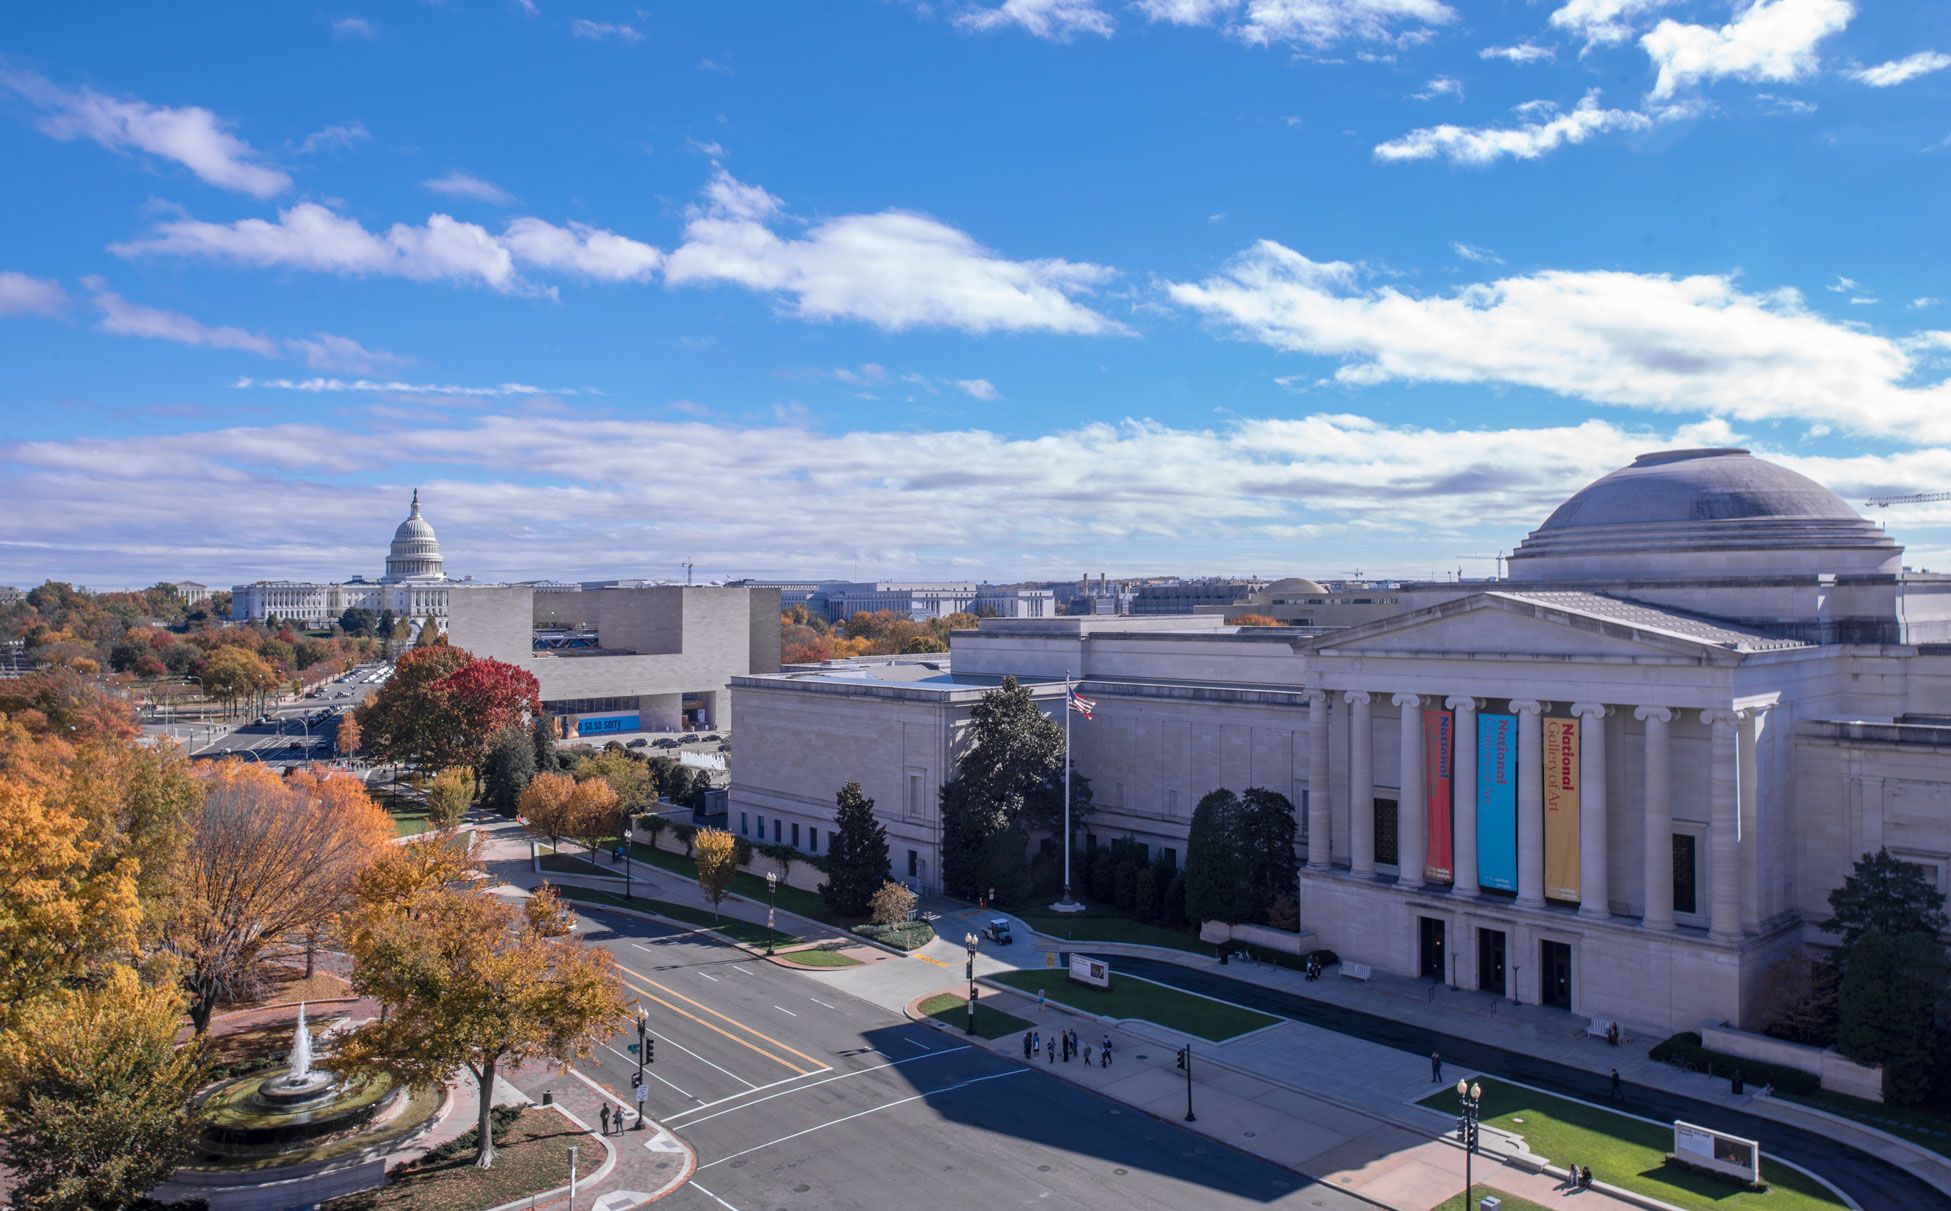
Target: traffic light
{"points": [[1182, 1057], [636, 1079], [1462, 1130], [650, 1049]]}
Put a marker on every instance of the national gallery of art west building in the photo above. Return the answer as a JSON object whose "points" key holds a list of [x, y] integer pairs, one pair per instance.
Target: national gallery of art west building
{"points": [[1622, 780]]}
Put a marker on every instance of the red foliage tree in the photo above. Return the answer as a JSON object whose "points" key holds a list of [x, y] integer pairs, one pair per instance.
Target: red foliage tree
{"points": [[479, 700]]}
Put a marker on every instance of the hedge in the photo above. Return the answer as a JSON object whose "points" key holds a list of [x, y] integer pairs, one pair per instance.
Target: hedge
{"points": [[909, 935], [1685, 1048]]}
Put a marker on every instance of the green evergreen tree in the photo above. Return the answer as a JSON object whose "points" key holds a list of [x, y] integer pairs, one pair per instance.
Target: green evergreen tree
{"points": [[1266, 847], [542, 735], [1214, 888], [856, 860], [1889, 1010], [1172, 911], [1884, 895], [508, 769]]}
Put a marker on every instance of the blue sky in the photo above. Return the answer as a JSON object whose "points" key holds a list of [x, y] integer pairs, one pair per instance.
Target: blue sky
{"points": [[958, 289]]}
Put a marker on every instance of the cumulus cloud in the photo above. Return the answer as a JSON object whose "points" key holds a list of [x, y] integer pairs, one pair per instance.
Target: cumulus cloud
{"points": [[978, 388], [1470, 252], [354, 27], [458, 184], [580, 250], [1883, 75], [1522, 52], [1441, 86], [188, 135], [24, 295], [1323, 23], [1697, 343], [324, 351], [335, 137], [1768, 40], [328, 386], [1526, 141], [1055, 20], [1603, 22], [894, 269], [124, 318], [605, 31]]}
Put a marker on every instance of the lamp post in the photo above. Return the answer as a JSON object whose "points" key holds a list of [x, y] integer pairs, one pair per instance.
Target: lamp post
{"points": [[1470, 1098], [629, 835], [771, 908], [1185, 1062], [972, 941]]}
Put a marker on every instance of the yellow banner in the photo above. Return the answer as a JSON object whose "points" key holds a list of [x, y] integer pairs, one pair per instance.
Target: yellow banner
{"points": [[1561, 810]]}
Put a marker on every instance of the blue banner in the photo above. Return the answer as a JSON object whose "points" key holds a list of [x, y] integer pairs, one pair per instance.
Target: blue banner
{"points": [[1497, 801]]}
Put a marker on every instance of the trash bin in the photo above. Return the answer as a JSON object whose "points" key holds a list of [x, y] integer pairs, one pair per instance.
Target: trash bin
{"points": [[1490, 1203]]}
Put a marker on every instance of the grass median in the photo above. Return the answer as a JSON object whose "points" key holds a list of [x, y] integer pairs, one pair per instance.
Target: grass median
{"points": [[1629, 1153], [952, 1010], [1131, 997], [1506, 1202], [1100, 924], [739, 931]]}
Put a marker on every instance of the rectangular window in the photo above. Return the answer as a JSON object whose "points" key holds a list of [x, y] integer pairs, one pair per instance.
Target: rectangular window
{"points": [[742, 831], [775, 830], [1385, 832], [1171, 857], [1685, 881], [795, 834], [914, 864], [761, 828], [812, 840]]}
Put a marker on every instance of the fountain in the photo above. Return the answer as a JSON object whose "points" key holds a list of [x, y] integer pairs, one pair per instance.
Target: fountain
{"points": [[295, 1105]]}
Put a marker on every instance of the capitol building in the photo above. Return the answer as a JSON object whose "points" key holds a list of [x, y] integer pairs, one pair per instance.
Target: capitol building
{"points": [[415, 585]]}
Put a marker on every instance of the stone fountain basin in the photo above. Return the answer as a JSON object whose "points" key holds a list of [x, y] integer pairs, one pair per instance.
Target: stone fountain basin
{"points": [[238, 1113]]}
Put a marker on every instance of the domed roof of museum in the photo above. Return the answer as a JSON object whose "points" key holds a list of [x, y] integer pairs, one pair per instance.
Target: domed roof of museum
{"points": [[1701, 513], [1294, 584]]}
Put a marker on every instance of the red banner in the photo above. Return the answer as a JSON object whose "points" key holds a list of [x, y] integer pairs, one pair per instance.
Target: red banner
{"points": [[1439, 753]]}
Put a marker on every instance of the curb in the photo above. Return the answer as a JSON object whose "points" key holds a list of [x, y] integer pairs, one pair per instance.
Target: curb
{"points": [[1896, 1141]]}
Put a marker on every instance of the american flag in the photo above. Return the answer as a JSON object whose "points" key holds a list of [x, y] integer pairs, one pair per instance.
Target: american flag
{"points": [[1082, 705]]}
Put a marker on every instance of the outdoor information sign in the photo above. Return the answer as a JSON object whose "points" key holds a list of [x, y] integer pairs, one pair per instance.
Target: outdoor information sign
{"points": [[1095, 972], [1708, 1149]]}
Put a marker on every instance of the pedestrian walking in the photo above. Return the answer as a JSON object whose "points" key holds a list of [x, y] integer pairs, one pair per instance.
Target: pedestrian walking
{"points": [[1104, 1053], [1029, 1037], [606, 1118], [1436, 1067], [1615, 1084], [1039, 998], [1053, 1051], [1087, 1055]]}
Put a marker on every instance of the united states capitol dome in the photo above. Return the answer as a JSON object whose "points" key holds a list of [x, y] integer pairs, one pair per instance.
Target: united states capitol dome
{"points": [[415, 553], [1689, 514]]}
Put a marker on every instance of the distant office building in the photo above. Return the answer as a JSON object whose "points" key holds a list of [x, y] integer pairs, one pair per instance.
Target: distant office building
{"points": [[1186, 596], [1300, 602], [415, 584], [791, 592], [624, 660], [9, 595], [188, 591], [1085, 597]]}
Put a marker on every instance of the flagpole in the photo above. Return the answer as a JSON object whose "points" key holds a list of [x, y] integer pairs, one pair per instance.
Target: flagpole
{"points": [[1067, 899]]}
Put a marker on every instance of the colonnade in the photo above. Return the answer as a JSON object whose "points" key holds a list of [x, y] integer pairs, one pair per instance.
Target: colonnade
{"points": [[1730, 801]]}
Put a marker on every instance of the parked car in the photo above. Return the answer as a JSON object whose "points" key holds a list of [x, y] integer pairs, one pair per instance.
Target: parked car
{"points": [[667, 742], [997, 931], [639, 742], [711, 737], [690, 738]]}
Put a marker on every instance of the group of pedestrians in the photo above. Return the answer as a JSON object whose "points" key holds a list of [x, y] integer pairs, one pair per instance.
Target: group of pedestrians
{"points": [[1063, 1046], [621, 1118]]}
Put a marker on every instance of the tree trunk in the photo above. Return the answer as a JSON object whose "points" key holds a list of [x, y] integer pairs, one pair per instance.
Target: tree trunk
{"points": [[485, 1156], [311, 955], [201, 1007]]}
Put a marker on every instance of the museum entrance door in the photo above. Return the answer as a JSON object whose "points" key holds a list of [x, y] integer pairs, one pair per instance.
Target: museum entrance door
{"points": [[1430, 948], [1490, 960], [1555, 972]]}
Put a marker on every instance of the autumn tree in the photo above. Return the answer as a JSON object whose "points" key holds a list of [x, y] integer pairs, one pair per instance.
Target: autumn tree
{"points": [[347, 739], [449, 794], [139, 802], [63, 702], [96, 1095], [630, 777], [402, 875], [593, 816], [468, 980], [270, 861], [545, 804], [403, 722], [235, 675], [480, 699], [856, 860], [716, 852], [892, 904]]}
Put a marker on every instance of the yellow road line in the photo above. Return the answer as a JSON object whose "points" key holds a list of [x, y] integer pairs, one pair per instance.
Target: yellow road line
{"points": [[645, 992], [929, 959], [726, 1017]]}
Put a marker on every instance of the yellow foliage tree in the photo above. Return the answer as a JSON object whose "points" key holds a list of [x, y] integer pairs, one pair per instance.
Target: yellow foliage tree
{"points": [[348, 738], [716, 852], [449, 795], [470, 980], [593, 813], [544, 803]]}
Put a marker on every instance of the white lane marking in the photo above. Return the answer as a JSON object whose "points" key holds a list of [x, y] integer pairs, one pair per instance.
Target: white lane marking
{"points": [[994, 1076], [735, 1096], [650, 1071], [713, 1197], [789, 1013], [818, 1001], [913, 1043], [749, 1086], [829, 1080], [713, 979]]}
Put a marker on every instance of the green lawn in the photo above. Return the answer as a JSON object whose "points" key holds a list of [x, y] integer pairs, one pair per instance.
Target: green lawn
{"points": [[1130, 997], [1506, 1202], [409, 815], [751, 886], [1628, 1152], [739, 931], [1920, 1128], [1098, 923], [822, 958], [952, 1010]]}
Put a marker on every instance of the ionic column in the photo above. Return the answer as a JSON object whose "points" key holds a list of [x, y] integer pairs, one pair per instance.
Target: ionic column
{"points": [[1594, 893], [1463, 792], [1658, 864], [1320, 851], [1724, 827], [1361, 787], [1412, 804], [1530, 802], [1745, 787]]}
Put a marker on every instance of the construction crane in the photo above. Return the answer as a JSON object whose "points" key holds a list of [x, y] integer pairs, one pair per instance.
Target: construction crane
{"points": [[1917, 498], [1498, 559], [688, 565]]}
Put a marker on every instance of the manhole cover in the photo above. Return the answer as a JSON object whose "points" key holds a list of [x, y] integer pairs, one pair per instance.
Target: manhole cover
{"points": [[1043, 1168], [1143, 1056], [1121, 1172], [801, 1188], [1251, 1134]]}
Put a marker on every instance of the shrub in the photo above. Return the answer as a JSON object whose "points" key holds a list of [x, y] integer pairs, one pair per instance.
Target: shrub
{"points": [[1327, 957], [653, 824], [892, 905], [909, 935], [784, 855], [1172, 909], [1144, 894], [1124, 886], [1104, 877], [1046, 874], [1685, 1048], [686, 833]]}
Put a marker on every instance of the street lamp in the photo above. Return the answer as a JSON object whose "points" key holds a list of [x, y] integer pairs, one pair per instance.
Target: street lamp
{"points": [[1185, 1062], [972, 941], [629, 835], [772, 907], [1470, 1098]]}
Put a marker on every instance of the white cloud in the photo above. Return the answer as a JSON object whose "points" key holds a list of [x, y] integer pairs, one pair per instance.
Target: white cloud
{"points": [[190, 135], [979, 388], [1522, 52], [308, 236], [1772, 40], [1186, 12], [1486, 144], [1323, 23], [1055, 20], [581, 250], [354, 27], [334, 137], [1441, 86], [1603, 22], [324, 351], [605, 31], [1923, 301], [894, 269], [23, 295], [1470, 252], [124, 318], [1694, 343], [1883, 75], [1844, 285], [326, 386], [458, 184]]}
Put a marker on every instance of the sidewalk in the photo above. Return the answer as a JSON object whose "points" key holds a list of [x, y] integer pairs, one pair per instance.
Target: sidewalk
{"points": [[645, 1163], [1386, 1156]]}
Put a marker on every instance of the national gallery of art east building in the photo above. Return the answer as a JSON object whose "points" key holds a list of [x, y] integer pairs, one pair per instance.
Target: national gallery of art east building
{"points": [[1621, 781]]}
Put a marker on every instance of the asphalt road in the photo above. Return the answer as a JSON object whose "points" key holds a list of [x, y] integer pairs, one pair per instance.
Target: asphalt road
{"points": [[285, 741], [795, 1095], [1871, 1182]]}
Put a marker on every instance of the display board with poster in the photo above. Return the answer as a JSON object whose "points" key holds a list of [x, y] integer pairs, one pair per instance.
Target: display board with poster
{"points": [[1705, 1148], [1497, 776], [1439, 741], [1095, 972], [1561, 810]]}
